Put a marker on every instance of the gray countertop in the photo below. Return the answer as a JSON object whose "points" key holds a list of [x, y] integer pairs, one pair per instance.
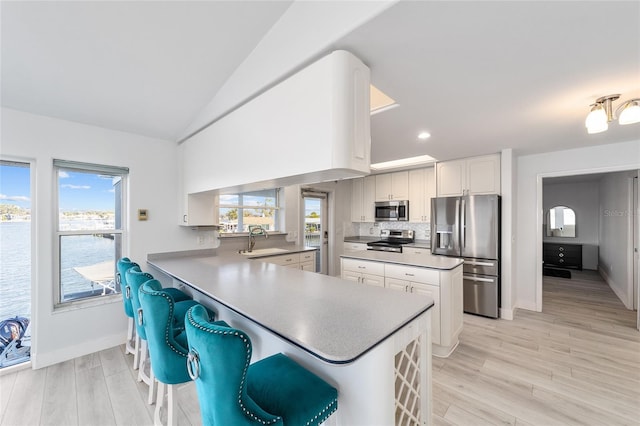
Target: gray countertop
{"points": [[421, 260], [335, 320]]}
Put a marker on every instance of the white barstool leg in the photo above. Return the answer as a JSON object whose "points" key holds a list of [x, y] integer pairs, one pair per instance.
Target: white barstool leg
{"points": [[136, 353], [131, 331], [159, 400], [172, 405], [152, 386], [149, 379]]}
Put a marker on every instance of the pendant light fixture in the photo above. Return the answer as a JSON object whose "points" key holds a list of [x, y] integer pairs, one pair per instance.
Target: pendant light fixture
{"points": [[601, 113]]}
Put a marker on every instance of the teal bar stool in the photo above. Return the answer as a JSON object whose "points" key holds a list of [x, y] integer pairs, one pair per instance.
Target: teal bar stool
{"points": [[135, 279], [167, 345], [231, 391], [122, 267]]}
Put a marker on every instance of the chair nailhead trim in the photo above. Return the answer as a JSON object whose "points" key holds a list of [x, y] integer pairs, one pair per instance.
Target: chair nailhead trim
{"points": [[333, 406], [168, 326], [247, 345]]}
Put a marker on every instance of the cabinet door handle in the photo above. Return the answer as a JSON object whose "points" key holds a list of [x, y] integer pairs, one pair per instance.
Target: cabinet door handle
{"points": [[408, 274], [184, 218], [406, 288]]}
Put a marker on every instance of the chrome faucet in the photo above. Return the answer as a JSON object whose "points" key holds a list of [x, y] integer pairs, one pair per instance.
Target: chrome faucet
{"points": [[253, 231]]}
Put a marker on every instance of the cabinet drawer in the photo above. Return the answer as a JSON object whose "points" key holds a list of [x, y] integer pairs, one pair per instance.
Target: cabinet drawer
{"points": [[307, 256], [283, 259], [416, 250], [374, 268], [409, 273], [355, 246]]}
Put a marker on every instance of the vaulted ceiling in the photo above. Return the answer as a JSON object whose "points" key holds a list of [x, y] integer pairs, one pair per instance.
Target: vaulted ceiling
{"points": [[479, 76]]}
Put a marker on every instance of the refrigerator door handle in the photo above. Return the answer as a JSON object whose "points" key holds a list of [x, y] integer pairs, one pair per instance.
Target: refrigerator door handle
{"points": [[463, 224], [482, 280], [456, 228], [470, 262]]}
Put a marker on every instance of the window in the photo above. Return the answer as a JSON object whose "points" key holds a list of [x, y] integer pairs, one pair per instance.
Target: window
{"points": [[238, 211], [91, 229]]}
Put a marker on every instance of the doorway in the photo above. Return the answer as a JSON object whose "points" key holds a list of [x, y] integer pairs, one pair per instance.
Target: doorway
{"points": [[15, 263], [315, 226], [614, 230]]}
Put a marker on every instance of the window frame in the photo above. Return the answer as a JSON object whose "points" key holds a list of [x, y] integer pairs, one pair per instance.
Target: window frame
{"points": [[240, 206], [58, 234]]}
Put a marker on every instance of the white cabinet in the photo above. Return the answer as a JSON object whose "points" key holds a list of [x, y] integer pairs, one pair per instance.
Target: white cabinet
{"points": [[420, 281], [443, 286], [308, 261], [325, 139], [415, 250], [305, 260], [469, 176], [422, 187], [362, 199], [364, 272], [354, 247], [199, 210], [194, 209], [392, 186]]}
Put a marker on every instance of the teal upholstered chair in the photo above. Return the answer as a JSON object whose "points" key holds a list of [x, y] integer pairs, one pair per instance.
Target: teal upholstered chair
{"points": [[135, 279], [167, 344], [272, 391], [122, 267]]}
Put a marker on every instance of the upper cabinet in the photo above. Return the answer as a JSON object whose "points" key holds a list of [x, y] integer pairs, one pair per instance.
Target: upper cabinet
{"points": [[422, 187], [469, 176], [195, 209], [392, 186], [312, 127], [362, 199]]}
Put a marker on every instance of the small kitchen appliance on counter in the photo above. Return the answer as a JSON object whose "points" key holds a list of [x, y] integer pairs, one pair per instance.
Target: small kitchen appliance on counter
{"points": [[392, 240]]}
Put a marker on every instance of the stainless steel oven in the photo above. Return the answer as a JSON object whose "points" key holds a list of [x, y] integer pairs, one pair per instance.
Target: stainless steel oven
{"points": [[391, 211]]}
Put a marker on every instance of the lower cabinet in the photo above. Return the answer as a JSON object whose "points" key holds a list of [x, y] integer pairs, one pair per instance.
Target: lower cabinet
{"points": [[363, 271], [354, 246], [443, 286], [305, 260], [432, 291]]}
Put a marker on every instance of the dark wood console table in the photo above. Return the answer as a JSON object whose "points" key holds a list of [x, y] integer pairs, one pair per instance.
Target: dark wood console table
{"points": [[563, 255]]}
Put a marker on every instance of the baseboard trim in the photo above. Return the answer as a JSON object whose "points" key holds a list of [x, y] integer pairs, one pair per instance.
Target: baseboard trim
{"points": [[41, 360], [616, 290], [507, 314]]}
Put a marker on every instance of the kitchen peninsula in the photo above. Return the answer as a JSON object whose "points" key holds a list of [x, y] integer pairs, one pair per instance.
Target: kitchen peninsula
{"points": [[372, 344]]}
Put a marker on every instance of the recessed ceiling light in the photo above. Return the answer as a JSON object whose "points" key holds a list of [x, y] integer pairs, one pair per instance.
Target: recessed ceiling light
{"points": [[379, 101], [404, 162], [424, 135]]}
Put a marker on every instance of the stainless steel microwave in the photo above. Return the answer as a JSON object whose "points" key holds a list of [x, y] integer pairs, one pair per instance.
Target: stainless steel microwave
{"points": [[391, 211]]}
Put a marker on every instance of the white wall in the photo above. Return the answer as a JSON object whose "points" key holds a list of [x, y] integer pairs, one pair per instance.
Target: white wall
{"points": [[582, 197], [531, 169], [615, 214], [58, 336]]}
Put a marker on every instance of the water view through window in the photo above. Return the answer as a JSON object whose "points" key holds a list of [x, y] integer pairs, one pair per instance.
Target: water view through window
{"points": [[15, 263], [90, 230]]}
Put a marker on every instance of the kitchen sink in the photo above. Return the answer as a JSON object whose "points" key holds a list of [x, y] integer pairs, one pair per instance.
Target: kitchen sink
{"points": [[265, 251]]}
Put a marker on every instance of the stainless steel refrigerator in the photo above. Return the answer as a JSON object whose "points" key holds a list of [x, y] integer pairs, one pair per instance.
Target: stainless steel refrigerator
{"points": [[469, 227]]}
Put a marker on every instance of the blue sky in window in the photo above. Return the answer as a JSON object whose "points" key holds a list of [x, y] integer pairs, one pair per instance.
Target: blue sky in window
{"points": [[85, 191], [78, 191], [14, 186]]}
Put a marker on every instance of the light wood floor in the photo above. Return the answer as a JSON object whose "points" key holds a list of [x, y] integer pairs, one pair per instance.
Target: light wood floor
{"points": [[577, 362]]}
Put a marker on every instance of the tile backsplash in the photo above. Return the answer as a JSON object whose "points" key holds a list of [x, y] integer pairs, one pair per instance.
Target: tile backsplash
{"points": [[422, 230]]}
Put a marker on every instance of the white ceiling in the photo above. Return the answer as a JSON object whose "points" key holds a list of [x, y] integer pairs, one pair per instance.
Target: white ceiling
{"points": [[145, 67], [479, 76]]}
